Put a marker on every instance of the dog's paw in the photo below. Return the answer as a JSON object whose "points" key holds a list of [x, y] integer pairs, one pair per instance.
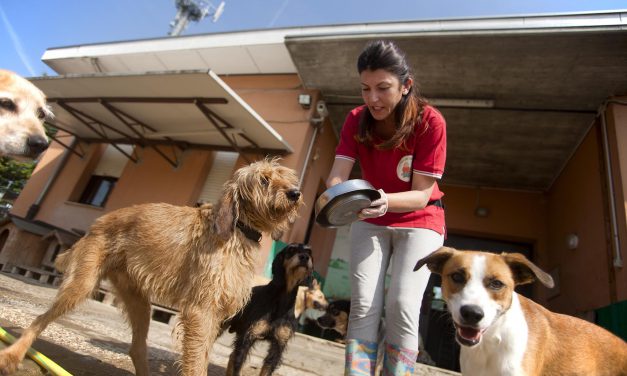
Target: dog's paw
{"points": [[8, 363]]}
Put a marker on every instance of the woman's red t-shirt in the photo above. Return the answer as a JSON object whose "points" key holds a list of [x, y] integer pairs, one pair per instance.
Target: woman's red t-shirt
{"points": [[391, 170]]}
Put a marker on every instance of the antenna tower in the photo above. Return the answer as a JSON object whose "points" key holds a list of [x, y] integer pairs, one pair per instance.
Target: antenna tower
{"points": [[193, 10]]}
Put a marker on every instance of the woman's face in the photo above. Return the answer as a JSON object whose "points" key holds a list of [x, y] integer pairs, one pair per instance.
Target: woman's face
{"points": [[382, 91]]}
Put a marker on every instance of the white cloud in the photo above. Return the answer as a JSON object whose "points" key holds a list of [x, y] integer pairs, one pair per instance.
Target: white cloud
{"points": [[16, 42]]}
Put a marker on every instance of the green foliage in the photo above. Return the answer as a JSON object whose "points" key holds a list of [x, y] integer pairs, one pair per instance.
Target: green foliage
{"points": [[14, 174]]}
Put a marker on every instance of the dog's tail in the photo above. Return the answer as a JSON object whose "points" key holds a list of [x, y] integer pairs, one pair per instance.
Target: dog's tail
{"points": [[62, 260]]}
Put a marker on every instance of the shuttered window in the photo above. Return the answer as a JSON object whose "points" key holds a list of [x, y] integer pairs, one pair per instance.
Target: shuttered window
{"points": [[221, 171]]}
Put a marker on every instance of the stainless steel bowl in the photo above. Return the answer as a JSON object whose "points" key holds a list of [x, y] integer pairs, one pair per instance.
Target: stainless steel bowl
{"points": [[340, 204]]}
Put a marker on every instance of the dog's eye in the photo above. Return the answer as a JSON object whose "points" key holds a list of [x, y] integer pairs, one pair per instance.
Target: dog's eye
{"points": [[458, 277], [8, 104], [495, 284], [41, 114]]}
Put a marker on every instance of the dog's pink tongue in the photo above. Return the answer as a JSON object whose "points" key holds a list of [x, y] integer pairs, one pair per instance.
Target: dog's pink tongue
{"points": [[469, 333]]}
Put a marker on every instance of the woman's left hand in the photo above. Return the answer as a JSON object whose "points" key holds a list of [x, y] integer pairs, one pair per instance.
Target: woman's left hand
{"points": [[377, 208]]}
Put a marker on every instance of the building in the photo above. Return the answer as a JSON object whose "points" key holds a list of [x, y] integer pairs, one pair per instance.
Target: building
{"points": [[536, 110]]}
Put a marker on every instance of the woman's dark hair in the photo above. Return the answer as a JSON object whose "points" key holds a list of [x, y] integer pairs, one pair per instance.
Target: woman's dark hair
{"points": [[388, 56]]}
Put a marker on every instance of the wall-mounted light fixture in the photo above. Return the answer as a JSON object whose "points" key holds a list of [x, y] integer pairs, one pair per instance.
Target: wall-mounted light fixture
{"points": [[572, 241], [304, 100], [481, 211]]}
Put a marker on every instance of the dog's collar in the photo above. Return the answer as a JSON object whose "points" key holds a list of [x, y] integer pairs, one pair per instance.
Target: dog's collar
{"points": [[249, 232]]}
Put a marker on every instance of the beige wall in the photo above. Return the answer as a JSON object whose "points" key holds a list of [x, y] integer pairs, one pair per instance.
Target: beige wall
{"points": [[153, 179], [577, 206], [617, 130]]}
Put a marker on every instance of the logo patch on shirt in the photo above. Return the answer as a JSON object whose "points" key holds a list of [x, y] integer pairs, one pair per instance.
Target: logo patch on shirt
{"points": [[403, 170]]}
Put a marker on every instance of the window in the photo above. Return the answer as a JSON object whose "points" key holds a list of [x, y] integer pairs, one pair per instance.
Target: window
{"points": [[98, 190], [221, 171], [105, 175]]}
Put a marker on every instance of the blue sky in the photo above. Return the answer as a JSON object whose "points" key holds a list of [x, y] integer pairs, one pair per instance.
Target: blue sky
{"points": [[29, 27]]}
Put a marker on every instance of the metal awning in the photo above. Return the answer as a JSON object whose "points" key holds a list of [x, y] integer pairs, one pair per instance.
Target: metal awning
{"points": [[185, 109]]}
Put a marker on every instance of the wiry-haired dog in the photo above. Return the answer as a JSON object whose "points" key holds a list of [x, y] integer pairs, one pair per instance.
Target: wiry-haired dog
{"points": [[199, 260], [22, 111], [269, 315]]}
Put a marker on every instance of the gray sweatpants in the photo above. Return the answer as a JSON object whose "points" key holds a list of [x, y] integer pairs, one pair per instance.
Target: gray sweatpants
{"points": [[372, 249]]}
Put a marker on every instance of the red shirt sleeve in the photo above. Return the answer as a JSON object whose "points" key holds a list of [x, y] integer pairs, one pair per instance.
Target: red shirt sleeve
{"points": [[430, 148]]}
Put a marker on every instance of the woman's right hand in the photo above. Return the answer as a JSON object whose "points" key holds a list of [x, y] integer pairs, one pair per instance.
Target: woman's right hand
{"points": [[377, 208]]}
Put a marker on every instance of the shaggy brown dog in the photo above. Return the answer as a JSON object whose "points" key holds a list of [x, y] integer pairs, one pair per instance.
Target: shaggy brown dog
{"points": [[269, 315], [22, 110], [199, 260]]}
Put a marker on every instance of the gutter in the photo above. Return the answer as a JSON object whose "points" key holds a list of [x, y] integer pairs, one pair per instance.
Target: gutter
{"points": [[34, 208], [615, 241]]}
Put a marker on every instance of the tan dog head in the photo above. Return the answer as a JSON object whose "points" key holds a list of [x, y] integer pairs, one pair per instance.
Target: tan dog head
{"points": [[293, 266], [478, 286], [22, 111], [263, 195], [336, 316]]}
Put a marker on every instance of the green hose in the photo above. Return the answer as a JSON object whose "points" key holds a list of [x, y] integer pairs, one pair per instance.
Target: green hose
{"points": [[36, 356]]}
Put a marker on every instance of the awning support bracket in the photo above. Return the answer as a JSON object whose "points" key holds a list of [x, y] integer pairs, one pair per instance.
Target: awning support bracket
{"points": [[77, 114], [210, 116], [124, 118]]}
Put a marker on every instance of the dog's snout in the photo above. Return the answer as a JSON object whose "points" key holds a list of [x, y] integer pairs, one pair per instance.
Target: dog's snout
{"points": [[303, 257], [293, 194], [471, 313], [37, 144]]}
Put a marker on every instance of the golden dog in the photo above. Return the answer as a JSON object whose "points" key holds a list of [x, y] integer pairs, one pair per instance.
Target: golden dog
{"points": [[22, 111], [199, 260]]}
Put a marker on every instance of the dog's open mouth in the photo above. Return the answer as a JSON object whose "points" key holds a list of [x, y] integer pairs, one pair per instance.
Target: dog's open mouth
{"points": [[468, 336]]}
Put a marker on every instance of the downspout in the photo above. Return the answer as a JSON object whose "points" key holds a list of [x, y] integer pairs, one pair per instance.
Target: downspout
{"points": [[34, 208], [615, 241], [309, 149], [317, 122]]}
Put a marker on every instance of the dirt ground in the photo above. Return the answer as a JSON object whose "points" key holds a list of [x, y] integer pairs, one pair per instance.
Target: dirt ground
{"points": [[94, 341]]}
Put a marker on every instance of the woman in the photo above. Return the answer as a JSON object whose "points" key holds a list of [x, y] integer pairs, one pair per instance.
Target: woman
{"points": [[400, 143]]}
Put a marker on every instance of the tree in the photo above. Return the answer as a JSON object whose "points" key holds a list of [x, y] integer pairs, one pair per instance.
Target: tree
{"points": [[13, 175]]}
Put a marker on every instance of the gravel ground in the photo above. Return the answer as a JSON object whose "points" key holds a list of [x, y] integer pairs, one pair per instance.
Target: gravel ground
{"points": [[94, 339]]}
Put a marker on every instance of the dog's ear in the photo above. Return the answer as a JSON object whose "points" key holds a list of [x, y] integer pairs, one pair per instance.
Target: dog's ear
{"points": [[277, 233], [435, 261], [278, 269], [314, 284], [524, 271], [227, 214]]}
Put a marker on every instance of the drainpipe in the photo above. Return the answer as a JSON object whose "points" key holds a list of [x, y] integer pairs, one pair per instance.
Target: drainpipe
{"points": [[34, 208], [318, 123], [618, 260]]}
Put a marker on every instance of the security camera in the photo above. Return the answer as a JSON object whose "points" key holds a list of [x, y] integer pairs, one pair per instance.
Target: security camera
{"points": [[322, 110]]}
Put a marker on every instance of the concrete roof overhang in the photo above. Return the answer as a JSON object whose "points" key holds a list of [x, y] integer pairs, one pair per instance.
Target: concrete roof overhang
{"points": [[519, 94], [186, 109]]}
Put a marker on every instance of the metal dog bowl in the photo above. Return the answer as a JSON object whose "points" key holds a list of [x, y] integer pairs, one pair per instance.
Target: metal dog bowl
{"points": [[340, 204]]}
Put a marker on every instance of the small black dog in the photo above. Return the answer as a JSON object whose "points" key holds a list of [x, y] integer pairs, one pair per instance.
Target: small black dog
{"points": [[336, 316], [269, 315]]}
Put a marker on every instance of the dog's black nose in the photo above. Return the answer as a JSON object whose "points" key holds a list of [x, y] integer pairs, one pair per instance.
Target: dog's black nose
{"points": [[303, 257], [471, 314], [293, 194], [37, 144]]}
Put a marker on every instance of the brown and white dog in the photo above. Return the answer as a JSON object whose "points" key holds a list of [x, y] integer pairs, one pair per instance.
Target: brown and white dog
{"points": [[504, 333], [22, 111], [310, 303]]}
